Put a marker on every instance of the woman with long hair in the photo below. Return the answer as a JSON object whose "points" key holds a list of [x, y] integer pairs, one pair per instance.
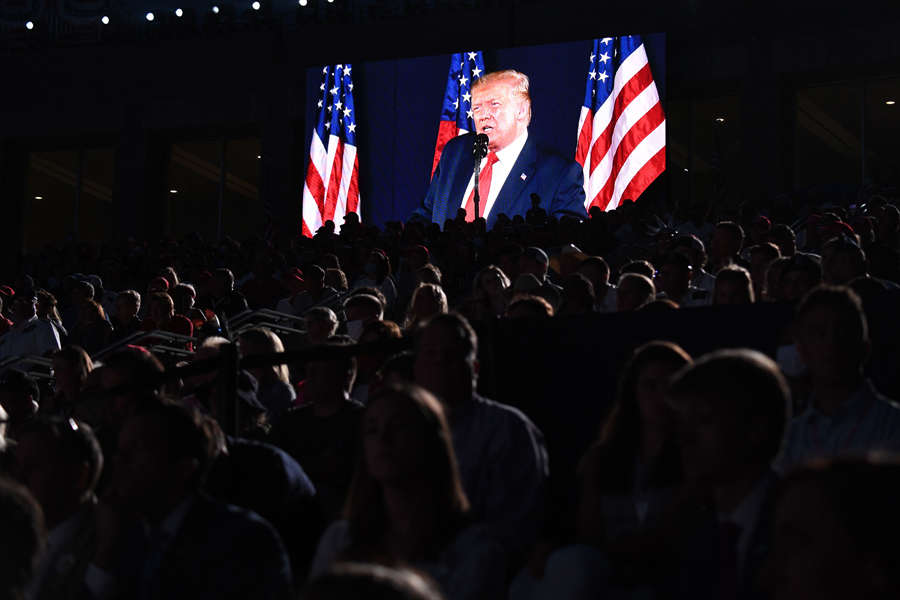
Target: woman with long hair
{"points": [[275, 390], [407, 505], [427, 300], [627, 476], [71, 366], [490, 295]]}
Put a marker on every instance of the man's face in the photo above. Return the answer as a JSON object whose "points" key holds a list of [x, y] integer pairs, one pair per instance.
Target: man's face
{"points": [[712, 437], [441, 365], [125, 309], [23, 309], [673, 280], [826, 346], [498, 113]]}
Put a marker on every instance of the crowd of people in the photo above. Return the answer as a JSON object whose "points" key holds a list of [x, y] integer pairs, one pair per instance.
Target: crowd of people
{"points": [[303, 419]]}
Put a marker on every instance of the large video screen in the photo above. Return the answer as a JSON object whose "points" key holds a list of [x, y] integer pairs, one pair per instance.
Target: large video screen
{"points": [[397, 108]]}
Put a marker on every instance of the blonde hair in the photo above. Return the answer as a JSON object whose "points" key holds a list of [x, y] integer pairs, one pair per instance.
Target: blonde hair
{"points": [[519, 85], [262, 340]]}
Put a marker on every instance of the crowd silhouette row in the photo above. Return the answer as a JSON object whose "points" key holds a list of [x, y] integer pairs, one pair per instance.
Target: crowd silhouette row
{"points": [[144, 453]]}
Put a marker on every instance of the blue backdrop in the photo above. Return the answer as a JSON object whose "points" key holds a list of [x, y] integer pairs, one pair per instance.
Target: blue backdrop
{"points": [[398, 105]]}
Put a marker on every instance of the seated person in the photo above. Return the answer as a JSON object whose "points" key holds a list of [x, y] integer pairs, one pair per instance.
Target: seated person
{"points": [[407, 504], [845, 413], [322, 434], [733, 286], [836, 530]]}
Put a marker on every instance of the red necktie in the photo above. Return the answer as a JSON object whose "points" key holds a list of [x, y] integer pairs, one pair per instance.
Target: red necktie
{"points": [[484, 188]]}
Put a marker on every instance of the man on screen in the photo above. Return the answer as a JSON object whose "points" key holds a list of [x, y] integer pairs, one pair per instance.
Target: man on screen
{"points": [[514, 172]]}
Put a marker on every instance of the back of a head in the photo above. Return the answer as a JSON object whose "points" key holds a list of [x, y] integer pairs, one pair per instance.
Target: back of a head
{"points": [[733, 286], [849, 501], [366, 303], [73, 443], [22, 524], [186, 436], [354, 581], [529, 306], [137, 367], [461, 331], [641, 267]]}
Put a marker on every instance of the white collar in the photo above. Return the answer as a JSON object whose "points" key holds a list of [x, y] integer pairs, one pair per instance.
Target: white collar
{"points": [[508, 155]]}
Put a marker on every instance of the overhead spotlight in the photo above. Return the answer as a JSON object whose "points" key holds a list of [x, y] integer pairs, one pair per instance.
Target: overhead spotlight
{"points": [[304, 2], [104, 19], [149, 16], [173, 191], [720, 119], [38, 197], [215, 10], [330, 1], [258, 156], [255, 6], [29, 25], [685, 170], [179, 13], [890, 102]]}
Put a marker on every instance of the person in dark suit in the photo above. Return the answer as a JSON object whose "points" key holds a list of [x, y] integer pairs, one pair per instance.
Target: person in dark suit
{"points": [[732, 410], [159, 536], [516, 169]]}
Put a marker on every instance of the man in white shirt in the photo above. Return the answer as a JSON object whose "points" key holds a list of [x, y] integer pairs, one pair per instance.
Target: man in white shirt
{"points": [[29, 336], [514, 172]]}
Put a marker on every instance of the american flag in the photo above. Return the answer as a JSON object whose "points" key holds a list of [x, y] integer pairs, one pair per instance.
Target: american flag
{"points": [[456, 113], [331, 189], [622, 128]]}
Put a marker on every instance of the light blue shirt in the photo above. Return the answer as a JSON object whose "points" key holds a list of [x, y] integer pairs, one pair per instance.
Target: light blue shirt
{"points": [[867, 421]]}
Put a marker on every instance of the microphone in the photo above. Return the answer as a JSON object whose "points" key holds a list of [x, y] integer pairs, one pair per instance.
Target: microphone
{"points": [[480, 146], [479, 151]]}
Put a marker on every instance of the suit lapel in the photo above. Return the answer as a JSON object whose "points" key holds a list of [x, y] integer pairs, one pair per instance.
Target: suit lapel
{"points": [[515, 183], [460, 178]]}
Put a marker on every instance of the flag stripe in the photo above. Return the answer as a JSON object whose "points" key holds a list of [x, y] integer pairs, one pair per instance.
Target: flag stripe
{"points": [[621, 129], [331, 187]]}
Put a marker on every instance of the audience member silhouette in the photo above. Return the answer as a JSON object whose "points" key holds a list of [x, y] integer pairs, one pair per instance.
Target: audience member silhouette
{"points": [[502, 459], [407, 503]]}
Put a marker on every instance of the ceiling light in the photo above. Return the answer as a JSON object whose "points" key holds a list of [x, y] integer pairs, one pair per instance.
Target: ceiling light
{"points": [[215, 10], [29, 25], [890, 102], [149, 16], [303, 2], [38, 197], [104, 19], [179, 13], [720, 119], [255, 6], [173, 191]]}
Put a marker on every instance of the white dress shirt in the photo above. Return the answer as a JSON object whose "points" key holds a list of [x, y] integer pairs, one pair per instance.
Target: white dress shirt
{"points": [[506, 158]]}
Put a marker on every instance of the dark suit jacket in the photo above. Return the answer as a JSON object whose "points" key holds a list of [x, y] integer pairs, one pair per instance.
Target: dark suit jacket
{"points": [[697, 572], [220, 552], [558, 182]]}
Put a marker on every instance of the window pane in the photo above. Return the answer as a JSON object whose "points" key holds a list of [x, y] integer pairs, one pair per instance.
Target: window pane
{"points": [[243, 214], [97, 215], [192, 185], [827, 148], [715, 150], [882, 131], [50, 197]]}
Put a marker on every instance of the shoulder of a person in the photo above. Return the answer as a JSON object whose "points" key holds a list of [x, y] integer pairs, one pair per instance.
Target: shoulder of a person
{"points": [[500, 411], [459, 143]]}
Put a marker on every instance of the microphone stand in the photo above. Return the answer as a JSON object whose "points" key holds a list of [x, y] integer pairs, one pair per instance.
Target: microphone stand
{"points": [[479, 151]]}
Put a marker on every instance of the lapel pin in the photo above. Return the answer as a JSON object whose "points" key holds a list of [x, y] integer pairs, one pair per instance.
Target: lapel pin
{"points": [[523, 176]]}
